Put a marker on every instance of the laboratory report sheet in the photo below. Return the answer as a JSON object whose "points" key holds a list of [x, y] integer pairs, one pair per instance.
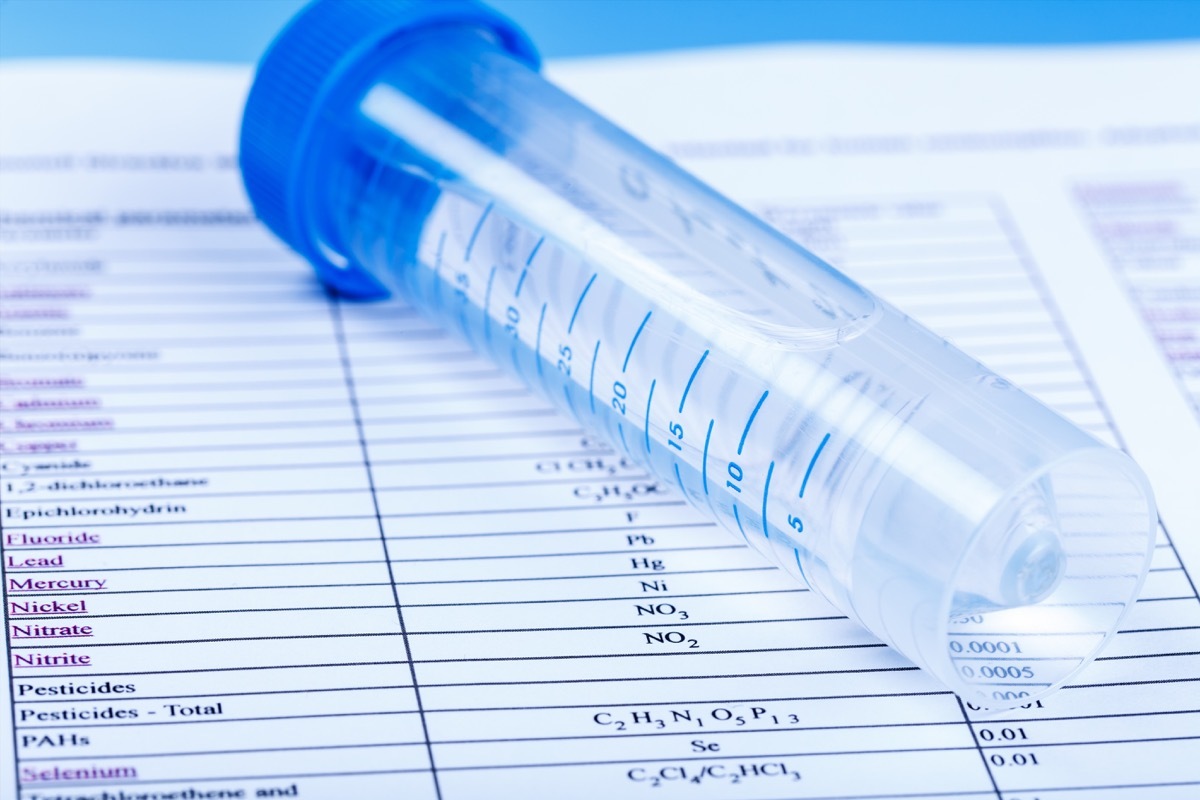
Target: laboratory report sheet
{"points": [[258, 541]]}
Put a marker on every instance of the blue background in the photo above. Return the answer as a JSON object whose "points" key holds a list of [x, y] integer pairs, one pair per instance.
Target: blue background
{"points": [[239, 30]]}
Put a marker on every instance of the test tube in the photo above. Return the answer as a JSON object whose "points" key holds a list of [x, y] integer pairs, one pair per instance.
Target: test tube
{"points": [[414, 148]]}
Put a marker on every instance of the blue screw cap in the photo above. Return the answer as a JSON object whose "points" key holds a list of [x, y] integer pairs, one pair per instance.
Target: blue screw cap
{"points": [[297, 75]]}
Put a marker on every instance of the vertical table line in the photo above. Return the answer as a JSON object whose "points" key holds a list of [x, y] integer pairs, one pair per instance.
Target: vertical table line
{"points": [[8, 655], [978, 748], [348, 374]]}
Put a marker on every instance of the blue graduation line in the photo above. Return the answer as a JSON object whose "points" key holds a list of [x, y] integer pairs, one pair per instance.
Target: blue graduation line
{"points": [[437, 271], [534, 251], [646, 428], [592, 378], [579, 302], [629, 352], [528, 262], [811, 464], [679, 478], [475, 233], [749, 422], [800, 566], [487, 302], [537, 351], [766, 488], [704, 459], [688, 388]]}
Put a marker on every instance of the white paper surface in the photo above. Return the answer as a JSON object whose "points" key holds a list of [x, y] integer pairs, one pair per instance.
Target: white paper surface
{"points": [[232, 563]]}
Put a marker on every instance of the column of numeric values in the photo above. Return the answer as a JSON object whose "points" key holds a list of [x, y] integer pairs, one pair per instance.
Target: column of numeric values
{"points": [[196, 596]]}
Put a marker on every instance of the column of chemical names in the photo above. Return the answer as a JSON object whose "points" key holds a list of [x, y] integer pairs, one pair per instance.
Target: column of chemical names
{"points": [[196, 593]]}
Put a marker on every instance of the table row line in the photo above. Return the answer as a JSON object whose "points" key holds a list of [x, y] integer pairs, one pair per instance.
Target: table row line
{"points": [[775, 772], [616, 657]]}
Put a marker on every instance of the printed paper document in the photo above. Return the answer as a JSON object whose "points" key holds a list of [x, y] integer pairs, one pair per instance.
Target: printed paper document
{"points": [[261, 542]]}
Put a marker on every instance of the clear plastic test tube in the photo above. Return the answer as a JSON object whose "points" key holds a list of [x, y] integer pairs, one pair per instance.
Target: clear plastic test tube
{"points": [[411, 146]]}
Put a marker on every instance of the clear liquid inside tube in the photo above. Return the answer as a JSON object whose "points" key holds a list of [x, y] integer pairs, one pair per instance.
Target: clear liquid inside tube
{"points": [[989, 540]]}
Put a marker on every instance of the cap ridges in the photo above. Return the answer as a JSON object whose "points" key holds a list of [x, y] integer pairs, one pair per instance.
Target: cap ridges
{"points": [[303, 63]]}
